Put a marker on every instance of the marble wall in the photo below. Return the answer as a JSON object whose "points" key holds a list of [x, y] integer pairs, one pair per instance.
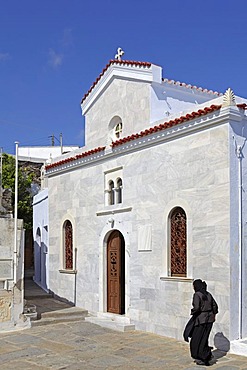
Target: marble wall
{"points": [[238, 230], [191, 171], [128, 100]]}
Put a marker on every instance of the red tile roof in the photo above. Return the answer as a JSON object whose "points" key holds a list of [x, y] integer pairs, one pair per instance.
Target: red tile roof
{"points": [[242, 106], [169, 124], [145, 65], [188, 86], [162, 126], [115, 61], [77, 156]]}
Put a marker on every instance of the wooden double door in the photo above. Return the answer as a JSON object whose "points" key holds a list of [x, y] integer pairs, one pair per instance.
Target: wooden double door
{"points": [[116, 273]]}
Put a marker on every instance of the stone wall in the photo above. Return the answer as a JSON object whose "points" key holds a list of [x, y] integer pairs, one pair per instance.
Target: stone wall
{"points": [[11, 276]]}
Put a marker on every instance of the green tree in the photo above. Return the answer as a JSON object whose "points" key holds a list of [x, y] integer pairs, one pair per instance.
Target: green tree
{"points": [[25, 210]]}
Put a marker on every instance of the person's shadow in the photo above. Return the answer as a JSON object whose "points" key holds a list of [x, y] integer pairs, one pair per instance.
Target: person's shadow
{"points": [[222, 345]]}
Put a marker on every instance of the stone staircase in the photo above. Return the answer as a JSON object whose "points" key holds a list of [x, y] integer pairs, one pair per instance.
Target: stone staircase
{"points": [[44, 309], [58, 316], [111, 321]]}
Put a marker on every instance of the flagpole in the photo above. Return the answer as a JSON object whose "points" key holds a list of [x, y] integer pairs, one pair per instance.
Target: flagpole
{"points": [[16, 213]]}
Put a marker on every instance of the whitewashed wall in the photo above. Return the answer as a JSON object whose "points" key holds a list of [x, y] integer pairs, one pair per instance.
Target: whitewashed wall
{"points": [[238, 183], [41, 242]]}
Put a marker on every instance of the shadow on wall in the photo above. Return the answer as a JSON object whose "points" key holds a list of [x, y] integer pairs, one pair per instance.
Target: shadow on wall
{"points": [[222, 345], [221, 342]]}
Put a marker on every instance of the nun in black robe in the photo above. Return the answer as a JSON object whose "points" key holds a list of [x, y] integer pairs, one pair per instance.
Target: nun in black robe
{"points": [[204, 310]]}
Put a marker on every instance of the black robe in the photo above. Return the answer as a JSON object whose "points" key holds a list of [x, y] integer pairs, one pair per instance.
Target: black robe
{"points": [[204, 310], [188, 330]]}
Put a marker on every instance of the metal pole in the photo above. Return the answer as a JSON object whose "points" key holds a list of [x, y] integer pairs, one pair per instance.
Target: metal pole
{"points": [[240, 292], [16, 204], [75, 268], [61, 142]]}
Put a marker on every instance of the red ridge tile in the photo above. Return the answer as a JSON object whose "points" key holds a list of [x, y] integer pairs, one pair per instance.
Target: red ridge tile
{"points": [[77, 156], [168, 124]]}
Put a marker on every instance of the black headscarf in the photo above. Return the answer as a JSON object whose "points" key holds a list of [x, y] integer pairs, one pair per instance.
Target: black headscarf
{"points": [[200, 286]]}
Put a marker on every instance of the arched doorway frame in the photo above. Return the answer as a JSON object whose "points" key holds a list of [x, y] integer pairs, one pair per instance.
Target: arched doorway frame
{"points": [[116, 273], [37, 255], [107, 230], [41, 260]]}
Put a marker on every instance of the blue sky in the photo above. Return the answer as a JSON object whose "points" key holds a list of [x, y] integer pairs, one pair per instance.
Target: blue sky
{"points": [[52, 51]]}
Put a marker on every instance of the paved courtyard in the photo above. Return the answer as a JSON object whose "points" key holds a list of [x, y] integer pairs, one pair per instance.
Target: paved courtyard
{"points": [[83, 345]]}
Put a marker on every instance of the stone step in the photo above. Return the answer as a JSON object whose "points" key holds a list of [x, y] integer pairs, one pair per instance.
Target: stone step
{"points": [[69, 312], [33, 291], [110, 324], [35, 295], [57, 316], [121, 319], [51, 320]]}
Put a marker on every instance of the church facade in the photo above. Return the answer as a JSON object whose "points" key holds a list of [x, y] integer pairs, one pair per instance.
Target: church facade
{"points": [[154, 200]]}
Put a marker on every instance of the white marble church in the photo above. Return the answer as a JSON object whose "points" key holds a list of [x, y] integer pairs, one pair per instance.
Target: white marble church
{"points": [[155, 199]]}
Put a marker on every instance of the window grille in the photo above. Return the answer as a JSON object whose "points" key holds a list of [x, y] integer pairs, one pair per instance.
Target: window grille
{"points": [[178, 242], [68, 245]]}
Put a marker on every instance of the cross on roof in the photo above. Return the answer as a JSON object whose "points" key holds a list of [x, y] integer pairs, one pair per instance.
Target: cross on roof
{"points": [[119, 54]]}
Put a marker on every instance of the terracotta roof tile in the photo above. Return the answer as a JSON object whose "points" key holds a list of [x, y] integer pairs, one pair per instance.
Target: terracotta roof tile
{"points": [[242, 106], [77, 156], [160, 127], [188, 86], [165, 125]]}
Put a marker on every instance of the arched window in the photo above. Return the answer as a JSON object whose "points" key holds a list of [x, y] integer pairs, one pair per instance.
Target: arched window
{"points": [[118, 129], [119, 190], [178, 242], [115, 128], [111, 192], [68, 245]]}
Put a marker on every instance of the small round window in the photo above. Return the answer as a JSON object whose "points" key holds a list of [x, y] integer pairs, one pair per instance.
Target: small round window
{"points": [[115, 129]]}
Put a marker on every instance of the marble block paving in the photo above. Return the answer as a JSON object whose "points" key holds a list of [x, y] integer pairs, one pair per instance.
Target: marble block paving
{"points": [[84, 345]]}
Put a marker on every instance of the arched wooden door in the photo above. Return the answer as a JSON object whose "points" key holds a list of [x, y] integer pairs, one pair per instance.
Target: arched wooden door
{"points": [[116, 273]]}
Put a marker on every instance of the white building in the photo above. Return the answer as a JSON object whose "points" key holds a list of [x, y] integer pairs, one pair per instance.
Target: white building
{"points": [[155, 199], [40, 154], [40, 236]]}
